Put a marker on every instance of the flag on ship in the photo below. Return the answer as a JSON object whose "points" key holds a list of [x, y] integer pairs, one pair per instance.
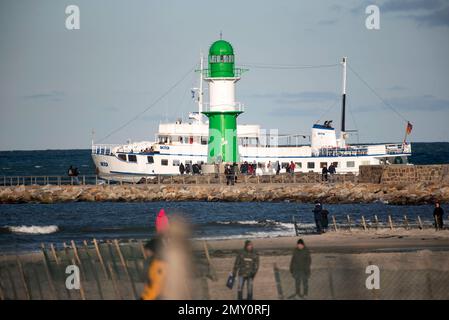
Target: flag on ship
{"points": [[409, 128]]}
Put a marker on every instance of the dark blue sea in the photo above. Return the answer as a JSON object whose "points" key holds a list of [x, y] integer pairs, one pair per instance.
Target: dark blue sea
{"points": [[24, 226]]}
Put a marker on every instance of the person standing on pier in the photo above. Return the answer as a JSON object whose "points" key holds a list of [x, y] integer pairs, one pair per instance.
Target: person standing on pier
{"points": [[182, 169], [324, 173], [246, 266], [317, 215], [161, 222], [300, 268], [438, 213]]}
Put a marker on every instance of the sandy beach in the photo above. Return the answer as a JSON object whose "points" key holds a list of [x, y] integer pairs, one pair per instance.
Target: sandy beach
{"points": [[414, 264]]}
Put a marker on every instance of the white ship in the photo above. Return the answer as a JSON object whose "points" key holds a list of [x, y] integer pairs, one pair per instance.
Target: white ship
{"points": [[190, 142]]}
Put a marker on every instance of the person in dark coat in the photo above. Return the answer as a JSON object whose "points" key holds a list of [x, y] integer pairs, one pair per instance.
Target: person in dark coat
{"points": [[317, 215], [324, 173], [246, 266], [300, 268], [438, 213], [324, 219], [182, 169]]}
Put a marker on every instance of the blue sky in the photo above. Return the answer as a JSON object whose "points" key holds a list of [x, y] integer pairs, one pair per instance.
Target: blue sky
{"points": [[57, 85]]}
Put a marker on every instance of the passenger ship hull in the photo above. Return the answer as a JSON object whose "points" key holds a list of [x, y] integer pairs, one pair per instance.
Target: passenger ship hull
{"points": [[165, 159]]}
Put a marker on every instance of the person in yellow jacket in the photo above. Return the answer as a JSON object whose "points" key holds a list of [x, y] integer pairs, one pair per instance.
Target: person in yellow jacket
{"points": [[155, 269]]}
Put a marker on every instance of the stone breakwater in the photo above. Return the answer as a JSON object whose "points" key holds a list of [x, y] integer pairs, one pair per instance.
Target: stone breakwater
{"points": [[412, 193]]}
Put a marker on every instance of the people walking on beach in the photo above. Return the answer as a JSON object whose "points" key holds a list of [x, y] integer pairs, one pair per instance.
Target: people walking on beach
{"points": [[182, 169], [155, 271], [324, 173], [438, 213], [317, 215], [245, 267], [300, 268], [162, 222]]}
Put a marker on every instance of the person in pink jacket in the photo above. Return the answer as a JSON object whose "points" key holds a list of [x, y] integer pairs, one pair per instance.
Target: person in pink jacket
{"points": [[161, 222]]}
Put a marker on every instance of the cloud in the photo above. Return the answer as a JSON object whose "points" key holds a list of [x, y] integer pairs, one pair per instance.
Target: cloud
{"points": [[49, 96], [298, 97], [424, 103], [428, 103], [439, 18], [410, 5]]}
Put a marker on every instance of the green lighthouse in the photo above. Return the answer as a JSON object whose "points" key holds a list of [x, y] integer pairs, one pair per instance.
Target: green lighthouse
{"points": [[222, 109]]}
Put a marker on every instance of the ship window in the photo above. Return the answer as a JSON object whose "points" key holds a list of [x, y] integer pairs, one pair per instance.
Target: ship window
{"points": [[188, 161], [285, 164], [335, 164], [203, 140], [298, 165], [323, 164], [122, 156], [365, 162], [132, 158], [176, 162], [164, 162], [150, 159], [350, 164], [310, 165]]}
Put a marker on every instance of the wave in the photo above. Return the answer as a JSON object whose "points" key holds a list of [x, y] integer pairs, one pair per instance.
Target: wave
{"points": [[30, 229], [256, 223]]}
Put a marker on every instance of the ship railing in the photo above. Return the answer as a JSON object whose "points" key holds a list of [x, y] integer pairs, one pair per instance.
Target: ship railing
{"points": [[398, 148], [103, 149], [235, 107], [195, 179], [339, 152], [238, 72]]}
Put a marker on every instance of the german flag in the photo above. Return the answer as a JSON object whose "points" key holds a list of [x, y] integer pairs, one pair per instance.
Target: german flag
{"points": [[409, 128]]}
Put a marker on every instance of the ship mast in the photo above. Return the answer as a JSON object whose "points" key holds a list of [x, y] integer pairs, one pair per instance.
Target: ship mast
{"points": [[343, 106], [200, 91]]}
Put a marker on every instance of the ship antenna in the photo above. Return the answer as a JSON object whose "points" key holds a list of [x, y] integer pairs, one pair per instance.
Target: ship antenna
{"points": [[200, 90], [343, 104]]}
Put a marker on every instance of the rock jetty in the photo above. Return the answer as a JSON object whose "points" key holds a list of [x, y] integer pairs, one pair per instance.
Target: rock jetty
{"points": [[347, 192]]}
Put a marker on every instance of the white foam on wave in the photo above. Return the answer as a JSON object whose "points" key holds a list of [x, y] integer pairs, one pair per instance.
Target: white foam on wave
{"points": [[34, 229]]}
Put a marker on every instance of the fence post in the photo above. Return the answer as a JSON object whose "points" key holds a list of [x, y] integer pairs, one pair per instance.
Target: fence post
{"points": [[82, 294], [53, 251], [334, 223], [420, 223], [376, 221], [406, 222], [84, 180], [48, 272], [390, 222], [100, 258], [23, 278], [125, 267], [363, 223], [94, 269], [349, 221]]}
